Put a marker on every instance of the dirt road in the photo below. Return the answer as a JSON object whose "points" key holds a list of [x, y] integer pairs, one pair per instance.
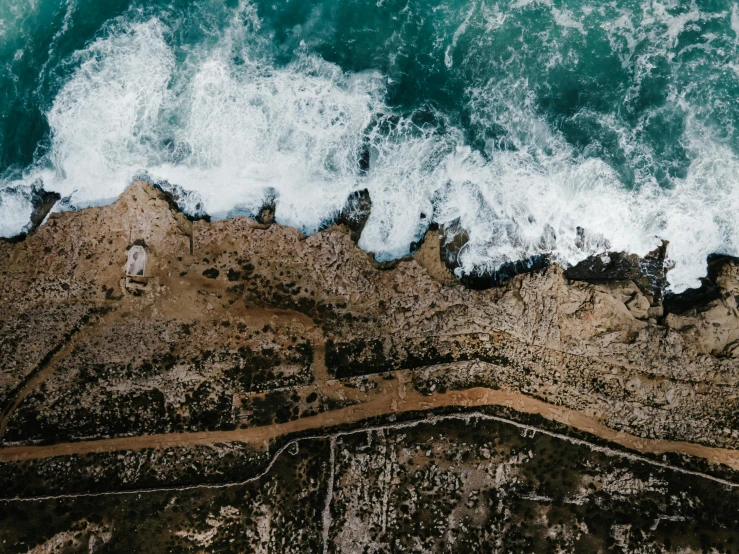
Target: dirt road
{"points": [[384, 405]]}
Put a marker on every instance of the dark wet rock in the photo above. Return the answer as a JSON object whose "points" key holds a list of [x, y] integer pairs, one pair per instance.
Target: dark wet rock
{"points": [[266, 214], [364, 159], [454, 239], [355, 213], [188, 202], [580, 240], [647, 273], [700, 298], [42, 202], [487, 279]]}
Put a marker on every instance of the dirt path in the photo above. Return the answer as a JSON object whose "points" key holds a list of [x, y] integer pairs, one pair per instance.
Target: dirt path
{"points": [[332, 437], [383, 405]]}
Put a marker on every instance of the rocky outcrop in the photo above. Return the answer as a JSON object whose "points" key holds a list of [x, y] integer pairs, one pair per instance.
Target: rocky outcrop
{"points": [[710, 312], [244, 324], [647, 273], [454, 238], [179, 199], [355, 213], [699, 299]]}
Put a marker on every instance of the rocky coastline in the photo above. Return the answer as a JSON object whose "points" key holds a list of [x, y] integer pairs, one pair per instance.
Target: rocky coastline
{"points": [[610, 307], [648, 273], [245, 331]]}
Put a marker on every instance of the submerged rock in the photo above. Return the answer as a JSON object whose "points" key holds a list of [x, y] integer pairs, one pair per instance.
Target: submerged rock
{"points": [[588, 241], [454, 239], [355, 213], [364, 158]]}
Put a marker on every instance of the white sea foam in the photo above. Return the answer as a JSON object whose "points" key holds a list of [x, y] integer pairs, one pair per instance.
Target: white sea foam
{"points": [[531, 198], [15, 213], [250, 130], [103, 121], [232, 126]]}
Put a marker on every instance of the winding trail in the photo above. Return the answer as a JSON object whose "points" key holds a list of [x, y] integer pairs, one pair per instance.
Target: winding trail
{"points": [[387, 404]]}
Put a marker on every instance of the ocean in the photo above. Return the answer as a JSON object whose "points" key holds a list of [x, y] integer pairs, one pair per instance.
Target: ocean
{"points": [[539, 126]]}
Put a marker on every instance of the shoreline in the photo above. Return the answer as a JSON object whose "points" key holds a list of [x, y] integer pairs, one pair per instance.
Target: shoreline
{"points": [[198, 360], [650, 271], [616, 324]]}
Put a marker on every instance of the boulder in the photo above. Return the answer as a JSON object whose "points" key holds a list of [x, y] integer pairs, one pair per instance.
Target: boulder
{"points": [[647, 273]]}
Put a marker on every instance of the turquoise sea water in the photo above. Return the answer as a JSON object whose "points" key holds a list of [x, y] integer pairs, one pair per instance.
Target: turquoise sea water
{"points": [[523, 119]]}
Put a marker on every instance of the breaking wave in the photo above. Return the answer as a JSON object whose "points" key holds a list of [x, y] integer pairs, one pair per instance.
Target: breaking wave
{"points": [[522, 122]]}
